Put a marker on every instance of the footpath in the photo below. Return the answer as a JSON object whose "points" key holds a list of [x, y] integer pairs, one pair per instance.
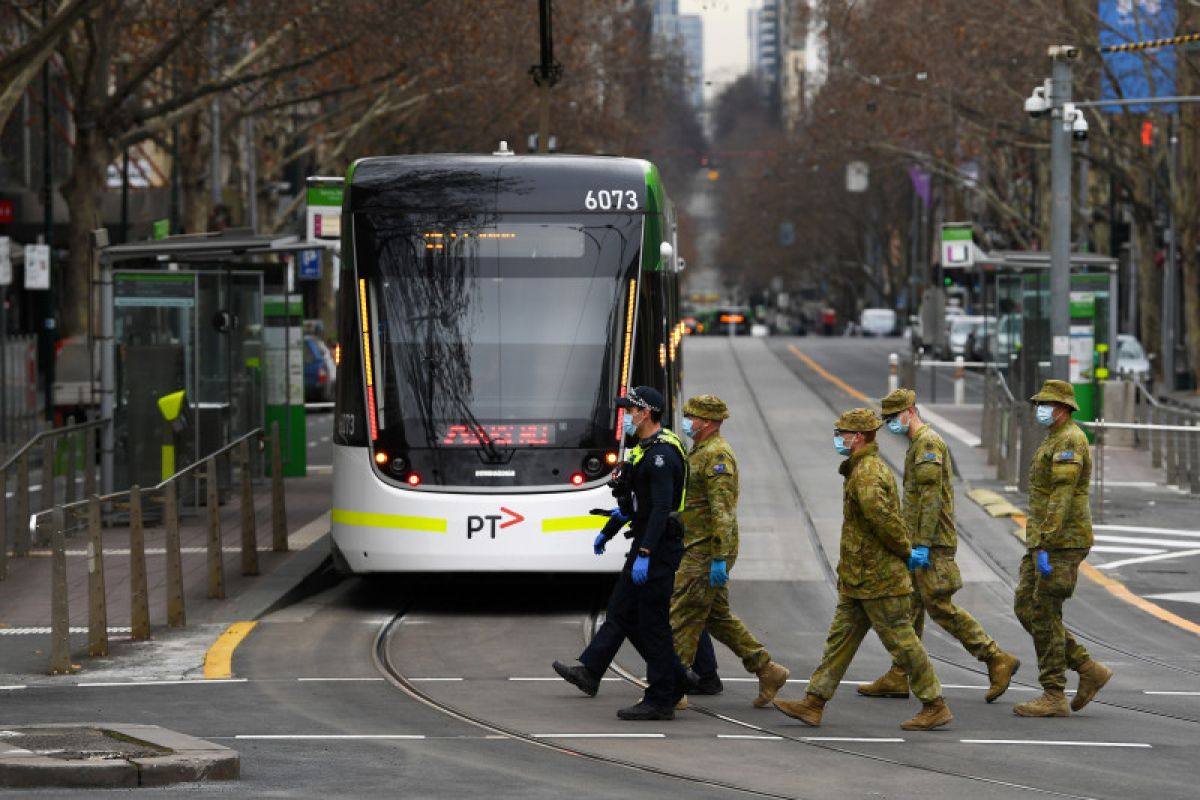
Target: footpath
{"points": [[176, 653]]}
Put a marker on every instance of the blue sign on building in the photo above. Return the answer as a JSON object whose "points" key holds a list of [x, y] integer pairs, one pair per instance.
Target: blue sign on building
{"points": [[310, 265], [1140, 73]]}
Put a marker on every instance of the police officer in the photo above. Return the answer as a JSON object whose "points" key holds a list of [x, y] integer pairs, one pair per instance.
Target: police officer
{"points": [[700, 600], [929, 512], [1058, 536], [640, 603], [874, 588]]}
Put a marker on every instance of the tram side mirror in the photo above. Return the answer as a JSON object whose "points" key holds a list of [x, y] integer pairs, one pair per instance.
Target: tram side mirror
{"points": [[665, 251]]}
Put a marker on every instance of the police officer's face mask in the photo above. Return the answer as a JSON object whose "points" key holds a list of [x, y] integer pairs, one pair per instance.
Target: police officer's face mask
{"points": [[1045, 415], [630, 425]]}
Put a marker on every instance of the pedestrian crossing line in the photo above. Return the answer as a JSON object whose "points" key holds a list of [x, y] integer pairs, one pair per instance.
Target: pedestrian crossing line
{"points": [[1145, 559], [1132, 551], [1055, 743], [38, 630], [1141, 529], [1145, 691], [1141, 540]]}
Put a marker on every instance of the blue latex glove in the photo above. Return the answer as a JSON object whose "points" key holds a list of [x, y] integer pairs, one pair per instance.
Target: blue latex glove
{"points": [[641, 569], [616, 514], [919, 558], [1043, 563], [600, 543], [718, 575]]}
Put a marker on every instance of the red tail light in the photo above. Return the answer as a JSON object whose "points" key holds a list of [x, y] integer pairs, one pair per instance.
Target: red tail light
{"points": [[414, 479], [322, 376], [577, 479]]}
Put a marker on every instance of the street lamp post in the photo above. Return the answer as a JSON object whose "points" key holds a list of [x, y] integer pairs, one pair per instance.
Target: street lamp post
{"points": [[1060, 211]]}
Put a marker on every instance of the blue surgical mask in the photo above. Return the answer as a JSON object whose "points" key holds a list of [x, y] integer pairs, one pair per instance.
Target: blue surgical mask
{"points": [[897, 427], [1045, 416], [629, 427], [687, 427], [839, 444]]}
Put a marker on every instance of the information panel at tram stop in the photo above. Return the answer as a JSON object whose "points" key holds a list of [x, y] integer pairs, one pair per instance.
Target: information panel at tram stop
{"points": [[324, 212], [283, 362]]}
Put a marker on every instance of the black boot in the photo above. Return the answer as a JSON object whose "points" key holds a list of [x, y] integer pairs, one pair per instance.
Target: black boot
{"points": [[645, 711], [580, 676], [709, 684]]}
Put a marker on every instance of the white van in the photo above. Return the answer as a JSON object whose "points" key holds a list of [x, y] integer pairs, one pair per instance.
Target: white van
{"points": [[878, 322]]}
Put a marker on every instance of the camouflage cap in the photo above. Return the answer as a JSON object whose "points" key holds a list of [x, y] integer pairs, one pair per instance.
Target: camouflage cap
{"points": [[899, 400], [1056, 392], [706, 406], [858, 419]]}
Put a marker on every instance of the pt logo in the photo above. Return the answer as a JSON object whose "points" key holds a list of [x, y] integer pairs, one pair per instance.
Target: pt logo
{"points": [[476, 523]]}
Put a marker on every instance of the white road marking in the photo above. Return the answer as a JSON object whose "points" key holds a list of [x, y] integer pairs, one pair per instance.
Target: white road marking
{"points": [[339, 679], [200, 682], [944, 425], [329, 736], [599, 735], [320, 469], [1140, 551], [12, 688], [749, 736], [548, 679], [433, 680], [40, 630], [1178, 597], [885, 739], [1140, 529], [1104, 537], [1143, 559], [1041, 742], [1147, 691]]}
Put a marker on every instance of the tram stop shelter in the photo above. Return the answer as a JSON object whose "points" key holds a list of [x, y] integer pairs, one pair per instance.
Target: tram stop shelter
{"points": [[200, 342], [1015, 288]]}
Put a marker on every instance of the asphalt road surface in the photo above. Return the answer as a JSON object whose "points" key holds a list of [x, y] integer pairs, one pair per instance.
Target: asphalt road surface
{"points": [[386, 688]]}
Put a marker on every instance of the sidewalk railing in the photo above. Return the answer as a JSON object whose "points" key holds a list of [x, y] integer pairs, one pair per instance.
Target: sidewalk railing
{"points": [[89, 510], [906, 372], [1001, 428], [69, 451]]}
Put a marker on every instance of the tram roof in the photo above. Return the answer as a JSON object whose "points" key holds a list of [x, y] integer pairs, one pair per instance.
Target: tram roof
{"points": [[484, 183]]}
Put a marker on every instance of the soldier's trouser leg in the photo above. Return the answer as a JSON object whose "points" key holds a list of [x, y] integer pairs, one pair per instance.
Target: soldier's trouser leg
{"points": [[697, 606], [729, 630], [644, 617], [1038, 605], [954, 620], [850, 624], [891, 617], [602, 649]]}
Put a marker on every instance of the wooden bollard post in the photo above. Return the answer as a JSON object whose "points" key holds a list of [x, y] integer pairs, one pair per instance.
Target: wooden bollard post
{"points": [[3, 523], [97, 606], [216, 564], [279, 534], [139, 598], [175, 611], [21, 522], [60, 615], [47, 497], [69, 464], [89, 462], [249, 532]]}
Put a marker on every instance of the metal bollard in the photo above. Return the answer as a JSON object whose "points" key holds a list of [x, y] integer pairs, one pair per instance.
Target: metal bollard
{"points": [[960, 386], [175, 612], [68, 464], [89, 462], [216, 564], [139, 598], [279, 534], [21, 521], [48, 499], [97, 604], [893, 372], [1172, 450], [60, 615], [3, 524], [1194, 458], [249, 532], [1155, 439]]}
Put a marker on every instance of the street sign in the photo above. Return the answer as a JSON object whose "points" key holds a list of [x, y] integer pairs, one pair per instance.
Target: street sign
{"points": [[5, 262], [37, 266], [323, 216], [310, 265], [162, 228]]}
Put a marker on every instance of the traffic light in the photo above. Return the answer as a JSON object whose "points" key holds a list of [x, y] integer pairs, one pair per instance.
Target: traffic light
{"points": [[947, 281], [1147, 133]]}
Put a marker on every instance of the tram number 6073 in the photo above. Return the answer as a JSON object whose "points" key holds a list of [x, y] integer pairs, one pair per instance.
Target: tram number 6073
{"points": [[611, 200]]}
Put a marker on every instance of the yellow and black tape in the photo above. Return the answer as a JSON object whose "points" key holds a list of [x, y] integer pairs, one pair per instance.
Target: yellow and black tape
{"points": [[1151, 44]]}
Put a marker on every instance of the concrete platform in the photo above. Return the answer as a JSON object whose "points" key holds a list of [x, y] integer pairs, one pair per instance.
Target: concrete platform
{"points": [[109, 755]]}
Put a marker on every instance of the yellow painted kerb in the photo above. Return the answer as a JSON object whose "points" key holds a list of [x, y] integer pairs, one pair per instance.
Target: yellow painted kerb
{"points": [[218, 661]]}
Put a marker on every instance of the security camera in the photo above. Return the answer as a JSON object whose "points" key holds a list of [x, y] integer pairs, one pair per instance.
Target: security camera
{"points": [[1036, 105], [1063, 52], [1079, 123]]}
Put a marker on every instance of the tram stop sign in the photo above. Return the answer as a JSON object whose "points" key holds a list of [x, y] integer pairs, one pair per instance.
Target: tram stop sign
{"points": [[958, 245], [324, 212]]}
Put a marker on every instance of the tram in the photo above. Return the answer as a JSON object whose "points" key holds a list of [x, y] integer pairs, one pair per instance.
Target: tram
{"points": [[491, 310]]}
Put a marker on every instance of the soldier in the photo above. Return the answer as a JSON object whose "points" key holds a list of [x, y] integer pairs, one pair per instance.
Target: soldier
{"points": [[929, 512], [1057, 539], [874, 588], [700, 600]]}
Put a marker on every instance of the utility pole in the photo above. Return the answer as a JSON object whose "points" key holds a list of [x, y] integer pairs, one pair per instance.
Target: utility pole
{"points": [[46, 335], [1060, 211], [545, 74], [1170, 303]]}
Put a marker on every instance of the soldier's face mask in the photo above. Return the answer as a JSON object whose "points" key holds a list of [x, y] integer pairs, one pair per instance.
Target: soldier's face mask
{"points": [[688, 427], [840, 444], [1045, 414], [897, 425]]}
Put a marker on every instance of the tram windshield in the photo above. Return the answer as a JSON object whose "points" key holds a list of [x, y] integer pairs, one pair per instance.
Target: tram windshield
{"points": [[495, 332]]}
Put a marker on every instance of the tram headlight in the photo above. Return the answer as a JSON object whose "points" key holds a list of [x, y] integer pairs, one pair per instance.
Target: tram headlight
{"points": [[381, 458], [610, 458]]}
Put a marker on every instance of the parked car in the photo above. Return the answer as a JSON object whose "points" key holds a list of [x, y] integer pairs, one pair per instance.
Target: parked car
{"points": [[319, 371], [1132, 359], [731, 321], [964, 330], [878, 322]]}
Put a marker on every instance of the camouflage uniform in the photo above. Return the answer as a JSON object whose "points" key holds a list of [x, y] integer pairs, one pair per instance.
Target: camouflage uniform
{"points": [[874, 588], [710, 534], [1060, 522], [929, 512]]}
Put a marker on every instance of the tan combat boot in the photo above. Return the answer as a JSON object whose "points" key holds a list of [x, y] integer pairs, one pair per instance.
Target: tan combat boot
{"points": [[1051, 703], [1092, 677], [808, 710], [1001, 668], [682, 704], [933, 714], [893, 683], [771, 679]]}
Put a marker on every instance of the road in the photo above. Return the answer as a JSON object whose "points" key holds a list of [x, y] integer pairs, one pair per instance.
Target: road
{"points": [[444, 689]]}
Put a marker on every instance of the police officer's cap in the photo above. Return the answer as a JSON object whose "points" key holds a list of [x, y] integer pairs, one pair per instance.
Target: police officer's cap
{"points": [[642, 397], [898, 401], [1056, 392], [706, 406], [858, 419]]}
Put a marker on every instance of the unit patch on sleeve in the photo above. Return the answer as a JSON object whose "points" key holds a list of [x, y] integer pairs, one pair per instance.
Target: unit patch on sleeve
{"points": [[719, 468]]}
